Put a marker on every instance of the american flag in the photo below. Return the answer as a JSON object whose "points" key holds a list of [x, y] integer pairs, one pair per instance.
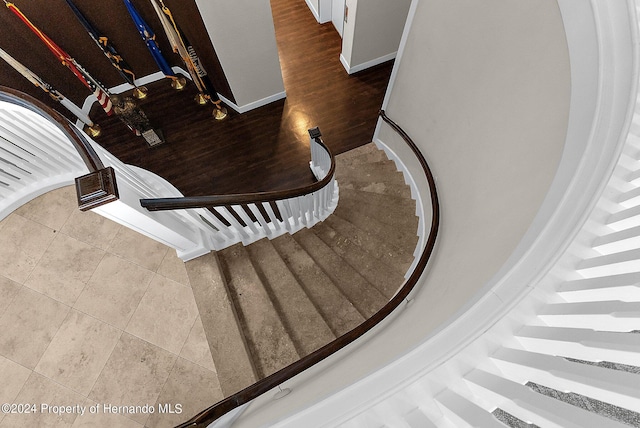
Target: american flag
{"points": [[96, 87], [101, 93]]}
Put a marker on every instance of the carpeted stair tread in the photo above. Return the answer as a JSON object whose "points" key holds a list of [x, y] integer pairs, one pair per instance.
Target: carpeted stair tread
{"points": [[404, 206], [226, 340], [394, 217], [305, 325], [380, 171], [269, 342], [378, 247], [385, 278], [378, 187], [339, 313], [395, 237], [364, 296], [363, 154]]}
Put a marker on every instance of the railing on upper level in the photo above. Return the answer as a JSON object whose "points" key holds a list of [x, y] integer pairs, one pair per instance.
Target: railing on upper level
{"points": [[242, 398], [42, 150], [33, 161], [249, 217]]}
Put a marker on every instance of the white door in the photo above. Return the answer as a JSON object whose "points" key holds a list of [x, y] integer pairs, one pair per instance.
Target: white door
{"points": [[337, 14]]}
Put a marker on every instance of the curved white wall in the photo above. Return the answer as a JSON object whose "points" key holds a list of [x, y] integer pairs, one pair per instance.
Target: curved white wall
{"points": [[483, 89]]}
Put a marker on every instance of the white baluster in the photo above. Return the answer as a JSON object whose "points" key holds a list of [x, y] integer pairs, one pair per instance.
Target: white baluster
{"points": [[605, 315], [611, 264], [272, 215], [306, 209], [239, 209], [633, 177], [6, 191], [209, 217], [266, 229], [40, 143], [297, 211], [317, 202], [238, 228], [417, 419], [623, 240], [582, 344], [530, 406], [464, 412], [12, 170], [624, 219], [630, 199], [611, 386], [46, 165], [12, 180], [625, 287], [287, 215]]}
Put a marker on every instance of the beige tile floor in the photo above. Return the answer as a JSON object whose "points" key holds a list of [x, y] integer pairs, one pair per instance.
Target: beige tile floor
{"points": [[93, 314]]}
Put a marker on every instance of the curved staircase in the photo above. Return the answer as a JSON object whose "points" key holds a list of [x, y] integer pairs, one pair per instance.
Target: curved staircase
{"points": [[266, 305]]}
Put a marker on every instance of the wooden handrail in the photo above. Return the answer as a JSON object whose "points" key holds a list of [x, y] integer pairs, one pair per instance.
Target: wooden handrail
{"points": [[266, 384], [86, 152], [160, 204]]}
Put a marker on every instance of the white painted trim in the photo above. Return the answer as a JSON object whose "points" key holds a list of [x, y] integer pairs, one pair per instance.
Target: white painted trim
{"points": [[91, 99], [423, 228], [365, 65], [313, 10], [195, 252], [325, 11], [256, 104], [403, 43]]}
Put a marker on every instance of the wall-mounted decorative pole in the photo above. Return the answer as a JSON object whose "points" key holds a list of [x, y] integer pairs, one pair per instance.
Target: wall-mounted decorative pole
{"points": [[110, 52], [95, 86], [177, 82], [190, 58], [93, 129]]}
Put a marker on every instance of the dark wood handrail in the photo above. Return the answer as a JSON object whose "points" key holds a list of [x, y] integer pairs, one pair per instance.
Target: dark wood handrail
{"points": [[266, 384], [160, 204], [86, 152]]}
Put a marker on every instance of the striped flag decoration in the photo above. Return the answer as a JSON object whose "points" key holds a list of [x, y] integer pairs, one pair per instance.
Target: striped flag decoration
{"points": [[149, 38], [100, 92]]}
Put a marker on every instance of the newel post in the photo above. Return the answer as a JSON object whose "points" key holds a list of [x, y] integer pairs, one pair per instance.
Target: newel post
{"points": [[96, 188]]}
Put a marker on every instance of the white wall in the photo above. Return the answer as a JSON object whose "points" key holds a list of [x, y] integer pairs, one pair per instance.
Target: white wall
{"points": [[483, 88], [243, 36], [372, 32]]}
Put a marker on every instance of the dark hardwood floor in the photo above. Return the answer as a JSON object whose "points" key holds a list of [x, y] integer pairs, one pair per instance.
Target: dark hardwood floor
{"points": [[266, 148]]}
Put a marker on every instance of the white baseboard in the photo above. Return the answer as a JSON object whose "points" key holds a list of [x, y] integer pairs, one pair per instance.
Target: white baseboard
{"points": [[367, 64], [91, 99], [259, 103], [423, 229], [124, 87], [316, 14]]}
